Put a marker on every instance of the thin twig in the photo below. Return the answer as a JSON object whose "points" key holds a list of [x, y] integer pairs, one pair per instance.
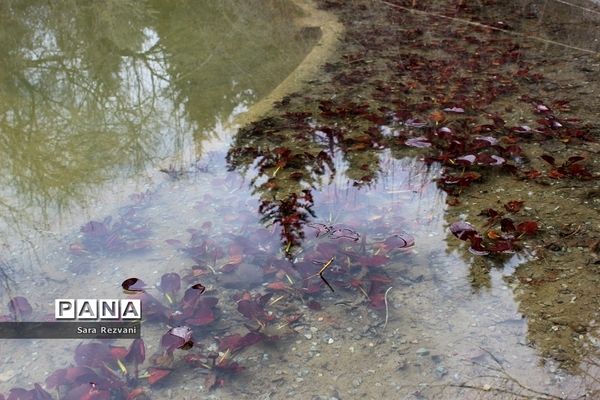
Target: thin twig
{"points": [[386, 307], [576, 6], [320, 273]]}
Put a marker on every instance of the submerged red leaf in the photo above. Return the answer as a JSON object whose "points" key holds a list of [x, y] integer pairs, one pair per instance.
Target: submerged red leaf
{"points": [[93, 354], [238, 342], [399, 242], [135, 393], [170, 283], [86, 391], [277, 286], [377, 301], [250, 309], [157, 374], [19, 307], [118, 352], [70, 376], [136, 353], [373, 261]]}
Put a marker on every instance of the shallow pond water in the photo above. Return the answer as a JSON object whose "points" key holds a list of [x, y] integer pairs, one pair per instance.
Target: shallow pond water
{"points": [[324, 251]]}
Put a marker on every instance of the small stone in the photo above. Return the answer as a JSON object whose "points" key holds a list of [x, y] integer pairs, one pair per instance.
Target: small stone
{"points": [[487, 387], [440, 371], [7, 375], [357, 382], [402, 364], [330, 341], [308, 336], [422, 352]]}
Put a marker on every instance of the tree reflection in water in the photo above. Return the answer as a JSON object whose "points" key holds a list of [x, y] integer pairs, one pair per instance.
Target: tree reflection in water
{"points": [[91, 92]]}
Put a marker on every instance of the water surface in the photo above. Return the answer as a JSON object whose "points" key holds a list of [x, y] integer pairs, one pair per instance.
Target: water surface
{"points": [[121, 159]]}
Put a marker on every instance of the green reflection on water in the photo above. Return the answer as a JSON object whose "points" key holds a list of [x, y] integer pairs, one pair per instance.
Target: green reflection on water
{"points": [[92, 91]]}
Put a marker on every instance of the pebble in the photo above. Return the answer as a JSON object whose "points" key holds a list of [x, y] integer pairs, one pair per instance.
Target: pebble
{"points": [[357, 382], [440, 371], [7, 375], [422, 352], [330, 340], [308, 336]]}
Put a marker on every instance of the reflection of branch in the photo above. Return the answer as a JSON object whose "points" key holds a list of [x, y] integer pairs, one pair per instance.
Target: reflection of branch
{"points": [[506, 377], [5, 275]]}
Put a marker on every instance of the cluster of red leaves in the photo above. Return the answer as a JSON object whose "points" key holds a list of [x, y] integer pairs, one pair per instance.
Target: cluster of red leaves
{"points": [[128, 234], [200, 248], [496, 241], [95, 375], [189, 309], [572, 168]]}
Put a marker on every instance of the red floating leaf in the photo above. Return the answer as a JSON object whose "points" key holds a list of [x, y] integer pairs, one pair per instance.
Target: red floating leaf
{"points": [[507, 225], [514, 206], [466, 160], [528, 227], [549, 159], [574, 159], [463, 230], [133, 285], [556, 174], [502, 246], [477, 246]]}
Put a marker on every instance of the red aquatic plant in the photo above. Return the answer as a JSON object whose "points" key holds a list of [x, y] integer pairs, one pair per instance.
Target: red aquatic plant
{"points": [[190, 309], [18, 308], [572, 168], [129, 233], [37, 393]]}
